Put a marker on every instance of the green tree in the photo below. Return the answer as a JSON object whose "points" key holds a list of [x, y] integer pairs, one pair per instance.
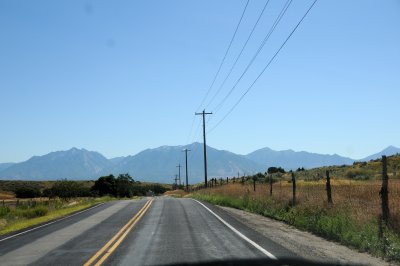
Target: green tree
{"points": [[27, 192], [66, 189], [274, 170], [105, 185], [124, 185]]}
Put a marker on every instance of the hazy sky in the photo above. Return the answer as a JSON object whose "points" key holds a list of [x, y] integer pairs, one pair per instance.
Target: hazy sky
{"points": [[121, 76]]}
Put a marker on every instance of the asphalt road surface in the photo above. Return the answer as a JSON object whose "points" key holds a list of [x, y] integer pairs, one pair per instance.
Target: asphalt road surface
{"points": [[150, 231]]}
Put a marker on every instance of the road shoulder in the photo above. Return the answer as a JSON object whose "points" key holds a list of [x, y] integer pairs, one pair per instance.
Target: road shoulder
{"points": [[302, 243]]}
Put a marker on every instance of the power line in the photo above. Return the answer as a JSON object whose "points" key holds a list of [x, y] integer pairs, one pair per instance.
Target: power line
{"points": [[195, 132], [196, 146], [262, 72], [272, 29], [223, 59], [239, 55], [191, 130]]}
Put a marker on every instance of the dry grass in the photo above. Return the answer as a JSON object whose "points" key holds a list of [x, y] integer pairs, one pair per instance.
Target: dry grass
{"points": [[360, 198], [178, 193], [5, 195], [13, 218]]}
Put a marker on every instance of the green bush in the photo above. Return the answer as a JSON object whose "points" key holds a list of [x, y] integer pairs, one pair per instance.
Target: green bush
{"points": [[124, 186], [35, 212], [4, 211], [358, 174], [27, 192], [66, 189]]}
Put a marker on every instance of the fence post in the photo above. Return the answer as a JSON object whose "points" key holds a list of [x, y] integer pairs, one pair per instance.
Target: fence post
{"points": [[242, 180], [254, 184], [328, 187], [227, 180], [384, 193], [270, 184], [294, 190]]}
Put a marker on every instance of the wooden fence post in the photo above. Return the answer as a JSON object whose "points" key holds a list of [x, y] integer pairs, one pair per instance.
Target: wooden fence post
{"points": [[227, 180], [384, 193], [254, 184], [328, 188], [294, 190], [242, 180]]}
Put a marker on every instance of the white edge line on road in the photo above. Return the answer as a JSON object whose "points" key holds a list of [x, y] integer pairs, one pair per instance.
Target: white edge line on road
{"points": [[46, 224], [257, 246]]}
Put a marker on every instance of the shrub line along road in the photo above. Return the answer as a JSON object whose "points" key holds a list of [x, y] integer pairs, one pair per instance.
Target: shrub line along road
{"points": [[149, 231]]}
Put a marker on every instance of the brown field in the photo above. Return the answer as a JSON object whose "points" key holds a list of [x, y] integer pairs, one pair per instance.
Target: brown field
{"points": [[361, 198], [176, 193], [5, 195]]}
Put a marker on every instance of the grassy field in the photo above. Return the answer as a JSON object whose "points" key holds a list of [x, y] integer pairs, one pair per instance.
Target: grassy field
{"points": [[29, 213], [351, 220], [178, 193]]}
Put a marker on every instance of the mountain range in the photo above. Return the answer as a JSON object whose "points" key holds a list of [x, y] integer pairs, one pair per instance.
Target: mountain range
{"points": [[161, 164]]}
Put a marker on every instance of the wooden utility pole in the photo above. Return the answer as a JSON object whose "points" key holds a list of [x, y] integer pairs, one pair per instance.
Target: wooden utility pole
{"points": [[176, 181], [204, 143], [179, 167], [187, 181]]}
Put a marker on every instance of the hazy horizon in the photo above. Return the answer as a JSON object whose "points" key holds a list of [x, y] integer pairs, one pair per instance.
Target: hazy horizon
{"points": [[132, 154]]}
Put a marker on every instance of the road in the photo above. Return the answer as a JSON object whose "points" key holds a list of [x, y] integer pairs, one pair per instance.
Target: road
{"points": [[150, 231]]}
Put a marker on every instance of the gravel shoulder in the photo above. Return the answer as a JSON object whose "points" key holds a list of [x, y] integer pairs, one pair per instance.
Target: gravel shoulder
{"points": [[303, 243]]}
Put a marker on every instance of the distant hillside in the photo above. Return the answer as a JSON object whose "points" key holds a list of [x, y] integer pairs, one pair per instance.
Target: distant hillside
{"points": [[117, 160], [290, 159], [159, 164], [391, 150], [71, 164], [5, 165]]}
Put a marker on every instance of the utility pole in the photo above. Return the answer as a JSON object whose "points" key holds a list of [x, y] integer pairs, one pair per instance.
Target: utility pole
{"points": [[176, 181], [179, 167], [187, 181], [204, 143]]}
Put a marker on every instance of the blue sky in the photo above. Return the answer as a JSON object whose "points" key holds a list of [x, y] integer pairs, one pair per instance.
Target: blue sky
{"points": [[121, 76]]}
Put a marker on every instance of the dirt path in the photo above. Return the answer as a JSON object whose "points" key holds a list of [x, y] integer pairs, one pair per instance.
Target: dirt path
{"points": [[303, 243]]}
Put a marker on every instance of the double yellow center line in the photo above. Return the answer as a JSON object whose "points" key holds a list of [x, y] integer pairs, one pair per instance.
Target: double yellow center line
{"points": [[114, 242]]}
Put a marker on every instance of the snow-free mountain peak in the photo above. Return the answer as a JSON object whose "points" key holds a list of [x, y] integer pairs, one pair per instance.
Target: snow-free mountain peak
{"points": [[388, 151], [159, 164]]}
